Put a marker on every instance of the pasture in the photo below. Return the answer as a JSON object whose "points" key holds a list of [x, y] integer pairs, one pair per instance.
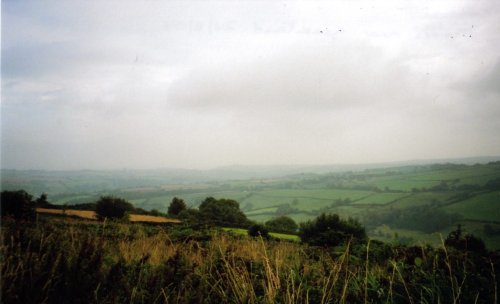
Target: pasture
{"points": [[485, 207], [455, 189], [283, 236]]}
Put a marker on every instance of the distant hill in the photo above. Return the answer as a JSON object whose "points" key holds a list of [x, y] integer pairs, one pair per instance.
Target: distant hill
{"points": [[245, 172], [86, 181]]}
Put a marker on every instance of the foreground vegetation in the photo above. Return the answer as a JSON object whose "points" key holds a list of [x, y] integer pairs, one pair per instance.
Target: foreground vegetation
{"points": [[57, 260]]}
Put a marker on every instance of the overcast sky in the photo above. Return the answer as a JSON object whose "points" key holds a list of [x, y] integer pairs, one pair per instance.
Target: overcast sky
{"points": [[200, 84]]}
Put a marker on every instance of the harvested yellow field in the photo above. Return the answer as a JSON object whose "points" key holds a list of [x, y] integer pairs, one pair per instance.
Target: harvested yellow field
{"points": [[86, 214]]}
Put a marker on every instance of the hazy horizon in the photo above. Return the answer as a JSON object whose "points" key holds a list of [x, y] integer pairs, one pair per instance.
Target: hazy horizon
{"points": [[326, 166], [199, 85]]}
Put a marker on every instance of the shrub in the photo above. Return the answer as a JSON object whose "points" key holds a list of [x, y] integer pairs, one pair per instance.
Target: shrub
{"points": [[331, 230], [112, 208], [282, 224], [258, 230], [17, 204], [222, 212], [190, 216]]}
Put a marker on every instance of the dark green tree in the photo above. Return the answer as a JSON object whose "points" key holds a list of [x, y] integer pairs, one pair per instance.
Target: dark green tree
{"points": [[17, 204], [112, 208], [190, 216], [331, 230], [42, 202], [282, 224], [176, 206], [258, 230], [222, 212]]}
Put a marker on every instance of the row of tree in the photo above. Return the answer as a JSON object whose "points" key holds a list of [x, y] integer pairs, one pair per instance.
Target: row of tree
{"points": [[326, 230]]}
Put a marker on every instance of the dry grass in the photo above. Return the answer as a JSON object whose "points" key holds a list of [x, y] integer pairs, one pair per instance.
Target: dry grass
{"points": [[133, 263], [86, 214]]}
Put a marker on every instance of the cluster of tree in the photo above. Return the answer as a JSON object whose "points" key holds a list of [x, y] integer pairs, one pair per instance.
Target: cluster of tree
{"points": [[326, 230], [113, 208], [211, 212], [258, 230], [227, 213], [21, 205], [282, 224], [17, 204], [176, 206], [222, 212], [330, 230], [422, 218]]}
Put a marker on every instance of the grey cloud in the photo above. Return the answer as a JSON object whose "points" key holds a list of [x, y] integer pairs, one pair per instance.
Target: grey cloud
{"points": [[190, 84], [333, 77], [489, 82]]}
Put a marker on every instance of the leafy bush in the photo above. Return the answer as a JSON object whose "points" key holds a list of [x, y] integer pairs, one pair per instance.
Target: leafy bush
{"points": [[331, 230], [258, 230], [283, 224], [112, 208], [17, 204], [222, 212], [190, 216]]}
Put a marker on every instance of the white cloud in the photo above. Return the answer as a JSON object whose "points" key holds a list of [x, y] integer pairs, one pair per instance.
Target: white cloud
{"points": [[199, 84]]}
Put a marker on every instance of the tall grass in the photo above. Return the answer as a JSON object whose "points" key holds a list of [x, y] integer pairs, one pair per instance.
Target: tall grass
{"points": [[59, 261]]}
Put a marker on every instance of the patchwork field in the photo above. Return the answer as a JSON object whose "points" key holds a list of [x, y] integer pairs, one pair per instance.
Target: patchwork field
{"points": [[483, 207], [446, 194]]}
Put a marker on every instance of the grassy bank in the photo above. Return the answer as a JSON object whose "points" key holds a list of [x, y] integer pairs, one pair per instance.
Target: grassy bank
{"points": [[68, 261]]}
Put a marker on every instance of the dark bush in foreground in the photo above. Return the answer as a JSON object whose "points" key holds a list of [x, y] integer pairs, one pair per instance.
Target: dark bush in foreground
{"points": [[17, 204], [45, 262], [112, 208], [331, 230], [258, 230]]}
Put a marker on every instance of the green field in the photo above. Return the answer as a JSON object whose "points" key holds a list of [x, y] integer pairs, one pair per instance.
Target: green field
{"points": [[289, 237], [455, 193], [419, 199], [485, 207], [381, 199]]}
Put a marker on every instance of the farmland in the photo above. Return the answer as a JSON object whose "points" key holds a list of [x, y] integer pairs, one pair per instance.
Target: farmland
{"points": [[66, 255], [91, 215], [379, 197]]}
